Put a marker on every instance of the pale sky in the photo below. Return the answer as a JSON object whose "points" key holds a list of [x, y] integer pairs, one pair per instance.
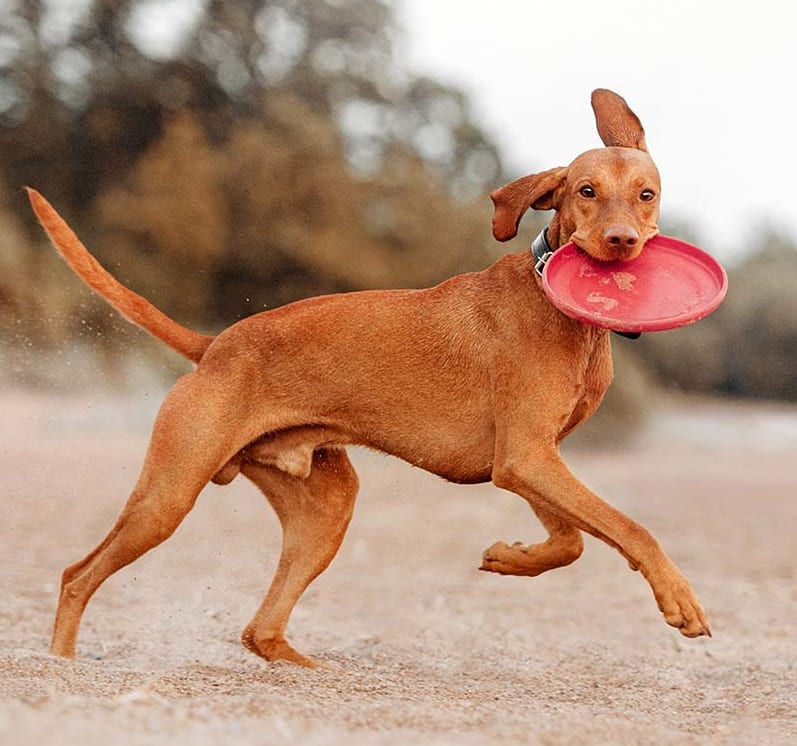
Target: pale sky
{"points": [[713, 82]]}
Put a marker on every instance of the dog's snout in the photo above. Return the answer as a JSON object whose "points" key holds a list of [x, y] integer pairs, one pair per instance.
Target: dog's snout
{"points": [[620, 237]]}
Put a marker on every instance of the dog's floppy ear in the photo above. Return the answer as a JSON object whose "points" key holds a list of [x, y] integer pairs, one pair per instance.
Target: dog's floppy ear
{"points": [[512, 201], [617, 124]]}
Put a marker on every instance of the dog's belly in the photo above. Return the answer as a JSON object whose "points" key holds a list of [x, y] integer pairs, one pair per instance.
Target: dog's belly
{"points": [[461, 455], [458, 450], [451, 436], [464, 458]]}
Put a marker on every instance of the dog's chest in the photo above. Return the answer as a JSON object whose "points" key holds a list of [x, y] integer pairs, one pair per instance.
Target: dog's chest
{"points": [[590, 382]]}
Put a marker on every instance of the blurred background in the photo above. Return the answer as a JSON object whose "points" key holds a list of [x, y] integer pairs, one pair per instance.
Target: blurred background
{"points": [[226, 157]]}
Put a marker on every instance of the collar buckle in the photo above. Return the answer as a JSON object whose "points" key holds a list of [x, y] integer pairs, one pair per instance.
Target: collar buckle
{"points": [[541, 250]]}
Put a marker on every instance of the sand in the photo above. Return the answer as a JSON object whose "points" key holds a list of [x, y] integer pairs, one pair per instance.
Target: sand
{"points": [[426, 649]]}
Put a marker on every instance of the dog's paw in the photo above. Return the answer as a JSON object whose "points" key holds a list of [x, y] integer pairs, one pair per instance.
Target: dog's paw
{"points": [[531, 559], [681, 609], [502, 558], [276, 649]]}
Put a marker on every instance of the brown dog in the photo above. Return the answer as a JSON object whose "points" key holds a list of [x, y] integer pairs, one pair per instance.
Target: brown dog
{"points": [[477, 379]]}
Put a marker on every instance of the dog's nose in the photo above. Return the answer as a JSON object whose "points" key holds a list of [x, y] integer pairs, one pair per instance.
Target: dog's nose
{"points": [[620, 237]]}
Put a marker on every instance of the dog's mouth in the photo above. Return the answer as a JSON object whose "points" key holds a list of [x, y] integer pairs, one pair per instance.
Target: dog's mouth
{"points": [[542, 250], [601, 252]]}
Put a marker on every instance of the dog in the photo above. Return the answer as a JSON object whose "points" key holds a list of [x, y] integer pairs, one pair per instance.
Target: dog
{"points": [[477, 379]]}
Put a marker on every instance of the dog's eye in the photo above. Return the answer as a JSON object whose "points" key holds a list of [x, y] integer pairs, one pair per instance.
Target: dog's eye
{"points": [[587, 191], [647, 195]]}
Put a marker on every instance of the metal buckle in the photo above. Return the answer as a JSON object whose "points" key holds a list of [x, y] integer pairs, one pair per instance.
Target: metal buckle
{"points": [[539, 265], [541, 250]]}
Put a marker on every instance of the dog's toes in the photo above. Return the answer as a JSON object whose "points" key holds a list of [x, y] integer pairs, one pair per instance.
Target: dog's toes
{"points": [[494, 550], [488, 560], [493, 558], [694, 623], [692, 629]]}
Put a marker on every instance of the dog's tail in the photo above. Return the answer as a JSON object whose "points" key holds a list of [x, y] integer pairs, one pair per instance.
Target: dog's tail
{"points": [[132, 306]]}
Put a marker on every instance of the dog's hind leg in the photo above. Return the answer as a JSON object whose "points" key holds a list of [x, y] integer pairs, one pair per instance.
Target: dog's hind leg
{"points": [[563, 547], [314, 512], [184, 453]]}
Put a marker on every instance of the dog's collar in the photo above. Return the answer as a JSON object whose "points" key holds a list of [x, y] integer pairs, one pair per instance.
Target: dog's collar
{"points": [[543, 251]]}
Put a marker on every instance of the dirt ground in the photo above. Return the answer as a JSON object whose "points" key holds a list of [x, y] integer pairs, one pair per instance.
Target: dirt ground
{"points": [[428, 650]]}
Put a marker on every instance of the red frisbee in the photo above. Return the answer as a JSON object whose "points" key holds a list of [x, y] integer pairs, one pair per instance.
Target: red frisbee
{"points": [[670, 284]]}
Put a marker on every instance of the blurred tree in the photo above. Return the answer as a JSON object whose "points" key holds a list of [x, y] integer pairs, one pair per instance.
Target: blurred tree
{"points": [[748, 347], [85, 85], [278, 215]]}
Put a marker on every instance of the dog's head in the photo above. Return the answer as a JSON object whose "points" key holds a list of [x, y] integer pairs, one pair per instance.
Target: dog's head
{"points": [[607, 200]]}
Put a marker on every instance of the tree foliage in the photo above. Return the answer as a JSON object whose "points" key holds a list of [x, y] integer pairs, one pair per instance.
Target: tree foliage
{"points": [[87, 85]]}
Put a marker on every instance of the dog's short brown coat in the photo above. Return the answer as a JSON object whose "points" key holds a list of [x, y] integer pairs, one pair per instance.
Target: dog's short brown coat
{"points": [[477, 379]]}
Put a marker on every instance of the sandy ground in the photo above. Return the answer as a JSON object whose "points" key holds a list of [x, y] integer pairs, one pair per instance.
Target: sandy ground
{"points": [[428, 649]]}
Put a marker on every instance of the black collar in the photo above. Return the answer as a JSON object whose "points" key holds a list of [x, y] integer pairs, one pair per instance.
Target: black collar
{"points": [[542, 252]]}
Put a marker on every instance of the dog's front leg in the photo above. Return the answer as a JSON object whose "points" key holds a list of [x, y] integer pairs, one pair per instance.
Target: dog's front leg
{"points": [[548, 485]]}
